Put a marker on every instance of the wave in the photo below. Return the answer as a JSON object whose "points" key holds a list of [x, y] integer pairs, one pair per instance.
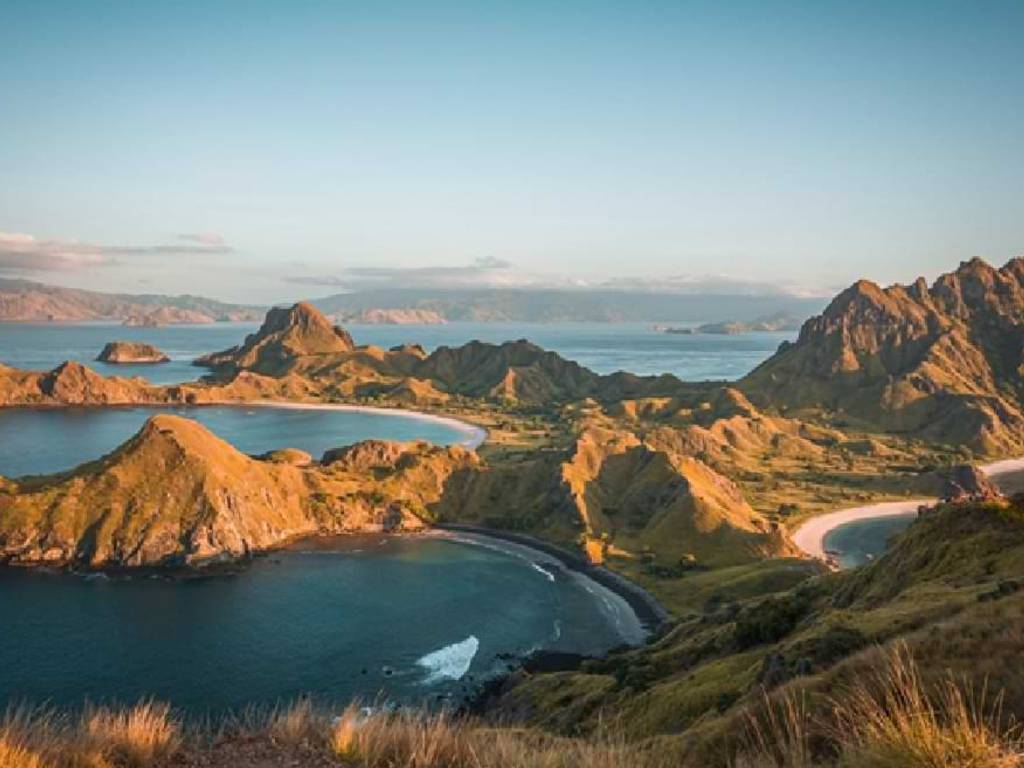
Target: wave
{"points": [[550, 576], [451, 662]]}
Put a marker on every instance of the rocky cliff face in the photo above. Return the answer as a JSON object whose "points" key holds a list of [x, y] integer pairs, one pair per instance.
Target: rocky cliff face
{"points": [[73, 384], [301, 342], [286, 335], [131, 352], [175, 494], [941, 362]]}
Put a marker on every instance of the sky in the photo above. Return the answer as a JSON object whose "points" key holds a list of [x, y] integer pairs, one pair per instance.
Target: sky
{"points": [[267, 151]]}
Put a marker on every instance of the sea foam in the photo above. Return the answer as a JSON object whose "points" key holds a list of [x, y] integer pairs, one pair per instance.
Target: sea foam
{"points": [[451, 662]]}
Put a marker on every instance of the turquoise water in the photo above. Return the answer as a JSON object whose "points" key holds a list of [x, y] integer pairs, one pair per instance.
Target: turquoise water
{"points": [[861, 542], [605, 348], [401, 618], [43, 440]]}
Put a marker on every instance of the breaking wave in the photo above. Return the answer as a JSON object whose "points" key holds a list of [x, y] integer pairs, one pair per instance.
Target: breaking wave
{"points": [[451, 662]]}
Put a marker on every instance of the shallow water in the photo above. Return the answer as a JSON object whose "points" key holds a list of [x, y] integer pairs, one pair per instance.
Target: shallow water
{"points": [[407, 619], [862, 541], [605, 348], [44, 440]]}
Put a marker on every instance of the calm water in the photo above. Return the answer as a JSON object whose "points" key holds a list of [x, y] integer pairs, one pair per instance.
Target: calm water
{"points": [[406, 618], [605, 348], [40, 440], [860, 542]]}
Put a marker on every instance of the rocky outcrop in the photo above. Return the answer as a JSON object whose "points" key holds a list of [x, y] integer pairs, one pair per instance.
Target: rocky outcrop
{"points": [[72, 383], [287, 334], [177, 495], [967, 483], [131, 352], [301, 342], [942, 362]]}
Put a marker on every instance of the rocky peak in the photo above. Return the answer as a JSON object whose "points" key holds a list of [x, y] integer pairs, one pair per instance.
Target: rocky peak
{"points": [[307, 327], [287, 333]]}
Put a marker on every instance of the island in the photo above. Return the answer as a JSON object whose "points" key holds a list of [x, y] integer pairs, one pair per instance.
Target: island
{"points": [[131, 352]]}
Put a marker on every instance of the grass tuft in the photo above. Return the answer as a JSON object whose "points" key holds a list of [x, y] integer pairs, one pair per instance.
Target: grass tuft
{"points": [[136, 737]]}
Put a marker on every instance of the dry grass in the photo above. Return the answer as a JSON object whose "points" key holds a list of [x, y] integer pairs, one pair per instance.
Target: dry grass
{"points": [[16, 755], [894, 722], [414, 740], [135, 737], [887, 720], [890, 720]]}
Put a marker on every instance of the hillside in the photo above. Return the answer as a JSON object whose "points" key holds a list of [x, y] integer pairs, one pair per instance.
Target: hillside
{"points": [[950, 589], [940, 362], [175, 494], [301, 341], [29, 302]]}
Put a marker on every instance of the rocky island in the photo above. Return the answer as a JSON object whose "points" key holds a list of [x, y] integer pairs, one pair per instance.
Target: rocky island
{"points": [[131, 352]]}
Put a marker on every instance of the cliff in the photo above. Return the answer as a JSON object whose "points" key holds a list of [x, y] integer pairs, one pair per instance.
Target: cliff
{"points": [[131, 352], [286, 334], [72, 383], [942, 362], [301, 341], [175, 494]]}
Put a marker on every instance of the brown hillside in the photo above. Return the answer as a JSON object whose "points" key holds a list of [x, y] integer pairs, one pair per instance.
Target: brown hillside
{"points": [[175, 494], [301, 342], [298, 331], [941, 362]]}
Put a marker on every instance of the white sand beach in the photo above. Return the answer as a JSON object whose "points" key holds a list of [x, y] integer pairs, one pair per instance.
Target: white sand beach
{"points": [[475, 435], [810, 536]]}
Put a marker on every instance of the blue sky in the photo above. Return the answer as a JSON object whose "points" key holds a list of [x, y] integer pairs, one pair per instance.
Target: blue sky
{"points": [[269, 150]]}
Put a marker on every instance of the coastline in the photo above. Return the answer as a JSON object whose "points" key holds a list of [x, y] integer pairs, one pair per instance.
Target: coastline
{"points": [[810, 535], [648, 612], [476, 435]]}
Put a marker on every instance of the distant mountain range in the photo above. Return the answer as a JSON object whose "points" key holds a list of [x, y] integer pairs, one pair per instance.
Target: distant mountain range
{"points": [[26, 301], [549, 305]]}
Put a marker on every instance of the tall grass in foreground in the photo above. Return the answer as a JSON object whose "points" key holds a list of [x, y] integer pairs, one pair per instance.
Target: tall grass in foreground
{"points": [[134, 737], [890, 720]]}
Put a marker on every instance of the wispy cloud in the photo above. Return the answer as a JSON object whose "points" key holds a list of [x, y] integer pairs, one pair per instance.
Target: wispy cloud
{"points": [[481, 272], [209, 239], [21, 252], [498, 273]]}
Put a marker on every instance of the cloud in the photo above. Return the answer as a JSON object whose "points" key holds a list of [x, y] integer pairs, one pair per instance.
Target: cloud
{"points": [[211, 239], [25, 253], [497, 273], [710, 285], [481, 272]]}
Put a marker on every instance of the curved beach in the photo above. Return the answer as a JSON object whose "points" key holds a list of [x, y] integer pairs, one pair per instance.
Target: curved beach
{"points": [[475, 435], [810, 536], [635, 613]]}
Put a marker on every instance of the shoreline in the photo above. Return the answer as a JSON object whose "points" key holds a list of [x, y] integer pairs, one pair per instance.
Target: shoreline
{"points": [[810, 535], [476, 435], [649, 613]]}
